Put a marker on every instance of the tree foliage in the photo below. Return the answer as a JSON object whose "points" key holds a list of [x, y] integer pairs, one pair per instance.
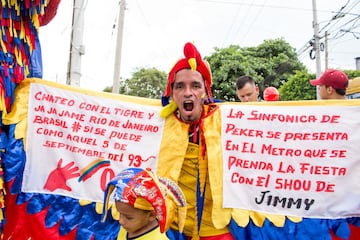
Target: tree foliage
{"points": [[298, 87], [270, 64], [146, 82], [352, 73]]}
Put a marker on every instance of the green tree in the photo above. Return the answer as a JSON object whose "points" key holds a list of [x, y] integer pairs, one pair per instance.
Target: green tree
{"points": [[352, 73], [270, 64], [225, 69], [298, 87], [146, 82], [107, 89]]}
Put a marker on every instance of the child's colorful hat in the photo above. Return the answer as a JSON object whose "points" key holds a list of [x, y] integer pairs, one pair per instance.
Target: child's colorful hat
{"points": [[143, 190]]}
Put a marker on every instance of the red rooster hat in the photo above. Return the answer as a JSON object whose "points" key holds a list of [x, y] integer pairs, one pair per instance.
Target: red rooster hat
{"points": [[192, 60]]}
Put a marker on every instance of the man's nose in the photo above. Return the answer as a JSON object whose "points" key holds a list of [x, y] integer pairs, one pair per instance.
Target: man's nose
{"points": [[188, 91]]}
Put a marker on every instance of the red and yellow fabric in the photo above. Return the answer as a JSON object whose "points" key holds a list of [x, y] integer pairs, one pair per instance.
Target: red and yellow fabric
{"points": [[155, 234], [182, 167], [19, 24], [20, 21]]}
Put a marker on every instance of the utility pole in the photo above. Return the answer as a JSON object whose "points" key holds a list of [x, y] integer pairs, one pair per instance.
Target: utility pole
{"points": [[116, 80], [326, 51], [316, 45], [77, 49]]}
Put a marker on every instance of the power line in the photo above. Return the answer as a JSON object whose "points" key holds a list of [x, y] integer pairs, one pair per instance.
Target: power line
{"points": [[252, 23], [335, 27], [246, 3], [329, 27]]}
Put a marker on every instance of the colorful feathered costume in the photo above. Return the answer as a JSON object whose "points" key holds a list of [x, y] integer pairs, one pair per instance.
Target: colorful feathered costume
{"points": [[20, 21], [23, 215]]}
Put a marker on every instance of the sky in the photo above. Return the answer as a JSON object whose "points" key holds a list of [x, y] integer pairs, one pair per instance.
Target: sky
{"points": [[155, 32]]}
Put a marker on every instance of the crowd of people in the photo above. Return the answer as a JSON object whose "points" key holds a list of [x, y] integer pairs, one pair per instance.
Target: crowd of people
{"points": [[331, 84]]}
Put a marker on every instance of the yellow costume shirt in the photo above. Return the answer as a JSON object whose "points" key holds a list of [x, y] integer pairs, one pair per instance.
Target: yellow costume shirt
{"points": [[152, 235], [179, 160]]}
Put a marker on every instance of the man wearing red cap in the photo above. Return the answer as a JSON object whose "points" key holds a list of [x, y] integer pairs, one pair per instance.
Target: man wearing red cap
{"points": [[332, 84], [193, 147]]}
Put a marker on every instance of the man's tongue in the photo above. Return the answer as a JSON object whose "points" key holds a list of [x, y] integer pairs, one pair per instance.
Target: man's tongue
{"points": [[188, 106]]}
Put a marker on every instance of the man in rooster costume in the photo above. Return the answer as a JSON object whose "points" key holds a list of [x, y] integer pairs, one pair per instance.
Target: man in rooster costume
{"points": [[192, 119]]}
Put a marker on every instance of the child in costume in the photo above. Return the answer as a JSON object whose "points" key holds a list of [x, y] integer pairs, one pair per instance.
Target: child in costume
{"points": [[146, 204]]}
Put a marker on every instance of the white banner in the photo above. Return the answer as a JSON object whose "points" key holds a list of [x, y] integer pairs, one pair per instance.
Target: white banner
{"points": [[77, 142], [292, 160]]}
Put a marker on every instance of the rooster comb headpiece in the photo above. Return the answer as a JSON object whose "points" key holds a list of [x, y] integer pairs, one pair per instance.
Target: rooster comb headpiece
{"points": [[192, 60]]}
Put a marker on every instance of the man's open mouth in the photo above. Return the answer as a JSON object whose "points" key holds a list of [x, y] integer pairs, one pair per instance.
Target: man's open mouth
{"points": [[188, 105]]}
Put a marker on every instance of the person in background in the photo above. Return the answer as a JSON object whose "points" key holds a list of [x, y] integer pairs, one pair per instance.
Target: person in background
{"points": [[246, 89], [143, 201], [271, 94], [193, 150], [332, 84]]}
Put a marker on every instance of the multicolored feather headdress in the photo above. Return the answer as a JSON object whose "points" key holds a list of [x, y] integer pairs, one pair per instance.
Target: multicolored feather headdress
{"points": [[142, 189]]}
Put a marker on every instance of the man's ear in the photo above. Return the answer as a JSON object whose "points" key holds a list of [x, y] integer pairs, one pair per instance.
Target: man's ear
{"points": [[330, 89], [257, 89]]}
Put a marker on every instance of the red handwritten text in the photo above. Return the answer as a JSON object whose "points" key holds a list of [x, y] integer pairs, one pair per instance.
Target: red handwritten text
{"points": [[125, 136], [289, 152], [129, 113], [50, 121], [94, 108], [141, 126], [249, 164], [74, 149], [323, 136], [255, 115], [47, 97], [233, 130], [307, 168]]}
